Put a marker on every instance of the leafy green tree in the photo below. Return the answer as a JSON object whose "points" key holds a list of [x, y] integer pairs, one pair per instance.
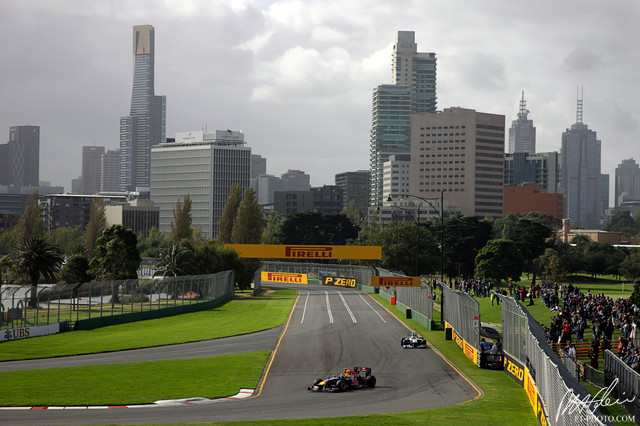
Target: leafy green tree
{"points": [[36, 257], [635, 296], [75, 270], [464, 236], [248, 223], [630, 267], [176, 261], [181, 223], [214, 257], [531, 238], [9, 240], [96, 226], [317, 228], [352, 212], [405, 245], [225, 225], [499, 260], [115, 257], [272, 228], [30, 223], [623, 222], [67, 238], [552, 266], [155, 242]]}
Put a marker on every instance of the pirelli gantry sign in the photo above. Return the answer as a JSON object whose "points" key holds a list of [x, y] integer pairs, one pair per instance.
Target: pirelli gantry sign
{"points": [[396, 282], [308, 252], [284, 277]]}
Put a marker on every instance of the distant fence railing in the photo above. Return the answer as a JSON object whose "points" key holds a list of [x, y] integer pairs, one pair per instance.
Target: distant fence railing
{"points": [[418, 299], [624, 382], [462, 312], [89, 304], [556, 395], [318, 271]]}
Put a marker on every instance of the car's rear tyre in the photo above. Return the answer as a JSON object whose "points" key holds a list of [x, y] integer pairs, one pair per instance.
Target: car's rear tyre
{"points": [[371, 382]]}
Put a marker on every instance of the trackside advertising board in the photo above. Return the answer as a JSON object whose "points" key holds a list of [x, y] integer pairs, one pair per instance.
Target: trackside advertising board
{"points": [[396, 282], [284, 277], [518, 372], [338, 281], [307, 252], [469, 350], [33, 331]]}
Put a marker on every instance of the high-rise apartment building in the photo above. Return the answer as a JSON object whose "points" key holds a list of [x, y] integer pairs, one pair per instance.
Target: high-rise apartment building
{"points": [[460, 153], [91, 164], [580, 167], [110, 171], [355, 187], [20, 157], [522, 133], [627, 184], [395, 176], [204, 166], [413, 91], [541, 168], [145, 126], [258, 165], [297, 180]]}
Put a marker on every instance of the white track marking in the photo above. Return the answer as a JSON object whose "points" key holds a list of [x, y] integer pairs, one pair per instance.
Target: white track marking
{"points": [[344, 302], [304, 310], [328, 307], [377, 313]]}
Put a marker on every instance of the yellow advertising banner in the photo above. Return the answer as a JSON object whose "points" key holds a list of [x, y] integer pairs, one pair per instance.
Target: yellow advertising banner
{"points": [[307, 252], [396, 282], [284, 277], [344, 282]]}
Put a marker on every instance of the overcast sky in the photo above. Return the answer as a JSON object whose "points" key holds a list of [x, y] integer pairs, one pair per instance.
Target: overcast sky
{"points": [[297, 76]]}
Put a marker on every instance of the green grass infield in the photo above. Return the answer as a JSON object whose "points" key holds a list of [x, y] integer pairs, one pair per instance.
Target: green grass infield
{"points": [[134, 382], [239, 316]]}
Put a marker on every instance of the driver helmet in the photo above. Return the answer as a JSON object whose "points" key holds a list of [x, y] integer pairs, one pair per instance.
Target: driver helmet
{"points": [[346, 372]]}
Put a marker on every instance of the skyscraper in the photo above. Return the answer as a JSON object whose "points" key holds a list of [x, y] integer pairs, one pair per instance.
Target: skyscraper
{"points": [[522, 134], [627, 184], [20, 157], [145, 126], [413, 91], [580, 178], [110, 171], [91, 160]]}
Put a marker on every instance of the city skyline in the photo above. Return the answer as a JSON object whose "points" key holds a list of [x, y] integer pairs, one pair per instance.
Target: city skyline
{"points": [[291, 74]]}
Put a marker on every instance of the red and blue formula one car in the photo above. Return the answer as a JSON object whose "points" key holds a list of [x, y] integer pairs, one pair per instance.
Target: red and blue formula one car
{"points": [[358, 377]]}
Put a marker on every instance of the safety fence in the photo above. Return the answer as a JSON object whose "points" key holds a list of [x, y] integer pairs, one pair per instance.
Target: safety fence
{"points": [[556, 395], [416, 301], [462, 312], [623, 381], [96, 304]]}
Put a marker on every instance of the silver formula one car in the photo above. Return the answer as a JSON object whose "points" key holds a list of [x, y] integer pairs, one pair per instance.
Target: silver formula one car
{"points": [[413, 341]]}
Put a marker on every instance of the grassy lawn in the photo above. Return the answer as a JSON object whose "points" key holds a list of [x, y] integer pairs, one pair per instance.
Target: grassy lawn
{"points": [[134, 382], [238, 316]]}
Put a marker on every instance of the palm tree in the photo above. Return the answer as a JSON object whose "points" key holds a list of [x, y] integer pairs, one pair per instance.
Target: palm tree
{"points": [[37, 257], [175, 261]]}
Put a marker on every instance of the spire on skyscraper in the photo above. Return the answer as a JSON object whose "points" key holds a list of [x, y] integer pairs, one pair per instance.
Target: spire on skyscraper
{"points": [[580, 97]]}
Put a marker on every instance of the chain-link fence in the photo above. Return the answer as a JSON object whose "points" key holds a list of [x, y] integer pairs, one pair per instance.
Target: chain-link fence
{"points": [[555, 393], [624, 382], [462, 312], [418, 299], [74, 303]]}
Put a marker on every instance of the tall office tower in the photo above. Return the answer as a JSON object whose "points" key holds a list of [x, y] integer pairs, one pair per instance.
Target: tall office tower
{"points": [[541, 168], [604, 194], [204, 166], [395, 176], [522, 134], [145, 126], [20, 157], [355, 187], [459, 153], [91, 160], [390, 133], [416, 70], [110, 171], [580, 166], [297, 180], [258, 165], [413, 91], [627, 185]]}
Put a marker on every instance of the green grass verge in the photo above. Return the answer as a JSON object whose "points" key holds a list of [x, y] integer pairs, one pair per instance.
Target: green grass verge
{"points": [[238, 316], [134, 382]]}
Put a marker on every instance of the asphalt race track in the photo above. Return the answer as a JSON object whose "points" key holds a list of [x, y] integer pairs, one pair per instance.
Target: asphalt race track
{"points": [[330, 328]]}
